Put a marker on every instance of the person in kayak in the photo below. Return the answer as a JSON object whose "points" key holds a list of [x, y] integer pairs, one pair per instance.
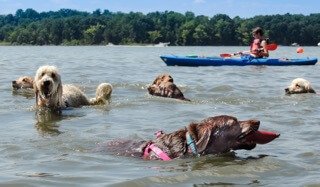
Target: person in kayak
{"points": [[258, 46]]}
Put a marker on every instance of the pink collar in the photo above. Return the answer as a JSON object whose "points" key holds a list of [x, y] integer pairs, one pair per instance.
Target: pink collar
{"points": [[151, 147]]}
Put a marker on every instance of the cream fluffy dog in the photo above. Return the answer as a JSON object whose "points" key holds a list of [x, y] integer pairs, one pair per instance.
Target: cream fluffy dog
{"points": [[50, 92], [298, 86]]}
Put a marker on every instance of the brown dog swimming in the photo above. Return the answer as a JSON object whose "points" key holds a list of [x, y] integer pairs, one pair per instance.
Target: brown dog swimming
{"points": [[163, 86], [214, 135]]}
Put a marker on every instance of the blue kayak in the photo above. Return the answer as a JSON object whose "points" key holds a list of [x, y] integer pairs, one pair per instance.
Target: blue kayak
{"points": [[173, 60]]}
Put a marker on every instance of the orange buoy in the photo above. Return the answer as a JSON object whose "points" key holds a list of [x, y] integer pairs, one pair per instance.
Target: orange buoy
{"points": [[299, 50]]}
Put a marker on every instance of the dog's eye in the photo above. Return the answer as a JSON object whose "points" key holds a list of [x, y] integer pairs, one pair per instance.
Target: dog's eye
{"points": [[42, 74], [297, 85], [24, 80], [53, 75]]}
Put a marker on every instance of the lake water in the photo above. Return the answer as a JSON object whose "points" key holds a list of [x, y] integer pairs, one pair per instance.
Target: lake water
{"points": [[59, 152]]}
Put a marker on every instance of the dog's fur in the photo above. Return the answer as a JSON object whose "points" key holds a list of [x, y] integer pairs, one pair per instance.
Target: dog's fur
{"points": [[214, 135], [51, 93], [24, 82], [299, 86], [163, 86]]}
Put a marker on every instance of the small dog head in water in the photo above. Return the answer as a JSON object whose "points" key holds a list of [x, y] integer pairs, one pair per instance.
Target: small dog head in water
{"points": [[24, 82], [163, 86], [299, 86], [163, 78]]}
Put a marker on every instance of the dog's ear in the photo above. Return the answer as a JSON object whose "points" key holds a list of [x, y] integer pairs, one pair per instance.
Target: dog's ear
{"points": [[169, 78], [204, 140], [151, 89], [201, 136], [60, 91], [155, 81], [36, 91]]}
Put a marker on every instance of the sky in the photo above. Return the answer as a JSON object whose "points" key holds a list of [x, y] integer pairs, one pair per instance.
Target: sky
{"points": [[242, 8]]}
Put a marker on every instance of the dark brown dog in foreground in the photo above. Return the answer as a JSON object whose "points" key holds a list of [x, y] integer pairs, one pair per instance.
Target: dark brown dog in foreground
{"points": [[214, 135], [163, 86]]}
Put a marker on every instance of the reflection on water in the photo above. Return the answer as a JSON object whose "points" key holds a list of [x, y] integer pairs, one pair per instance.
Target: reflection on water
{"points": [[207, 162], [27, 93], [38, 175], [46, 121], [225, 184]]}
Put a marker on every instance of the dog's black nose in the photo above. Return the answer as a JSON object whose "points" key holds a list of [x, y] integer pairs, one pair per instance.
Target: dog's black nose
{"points": [[14, 82], [46, 83], [287, 89]]}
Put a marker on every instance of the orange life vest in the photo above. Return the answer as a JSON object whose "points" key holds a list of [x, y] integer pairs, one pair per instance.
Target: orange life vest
{"points": [[255, 47]]}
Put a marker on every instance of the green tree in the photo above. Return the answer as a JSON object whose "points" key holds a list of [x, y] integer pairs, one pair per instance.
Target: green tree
{"points": [[201, 36], [56, 31], [154, 36], [94, 34], [187, 33], [224, 30]]}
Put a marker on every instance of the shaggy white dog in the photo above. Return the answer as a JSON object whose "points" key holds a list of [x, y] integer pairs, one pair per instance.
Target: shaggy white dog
{"points": [[51, 93], [298, 86]]}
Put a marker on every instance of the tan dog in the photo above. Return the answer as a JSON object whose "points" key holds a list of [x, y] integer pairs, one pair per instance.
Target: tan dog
{"points": [[298, 86], [51, 93], [24, 82], [163, 86], [23, 86]]}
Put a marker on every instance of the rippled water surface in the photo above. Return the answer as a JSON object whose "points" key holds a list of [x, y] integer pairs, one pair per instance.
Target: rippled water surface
{"points": [[60, 152]]}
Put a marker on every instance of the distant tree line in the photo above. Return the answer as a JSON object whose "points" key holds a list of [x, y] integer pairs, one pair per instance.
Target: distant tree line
{"points": [[72, 27]]}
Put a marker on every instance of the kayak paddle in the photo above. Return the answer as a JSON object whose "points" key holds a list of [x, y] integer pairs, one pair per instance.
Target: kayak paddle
{"points": [[270, 47]]}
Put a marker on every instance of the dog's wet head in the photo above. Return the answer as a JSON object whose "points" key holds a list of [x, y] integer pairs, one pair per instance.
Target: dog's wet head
{"points": [[162, 79], [299, 86], [232, 134], [24, 82], [47, 83]]}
